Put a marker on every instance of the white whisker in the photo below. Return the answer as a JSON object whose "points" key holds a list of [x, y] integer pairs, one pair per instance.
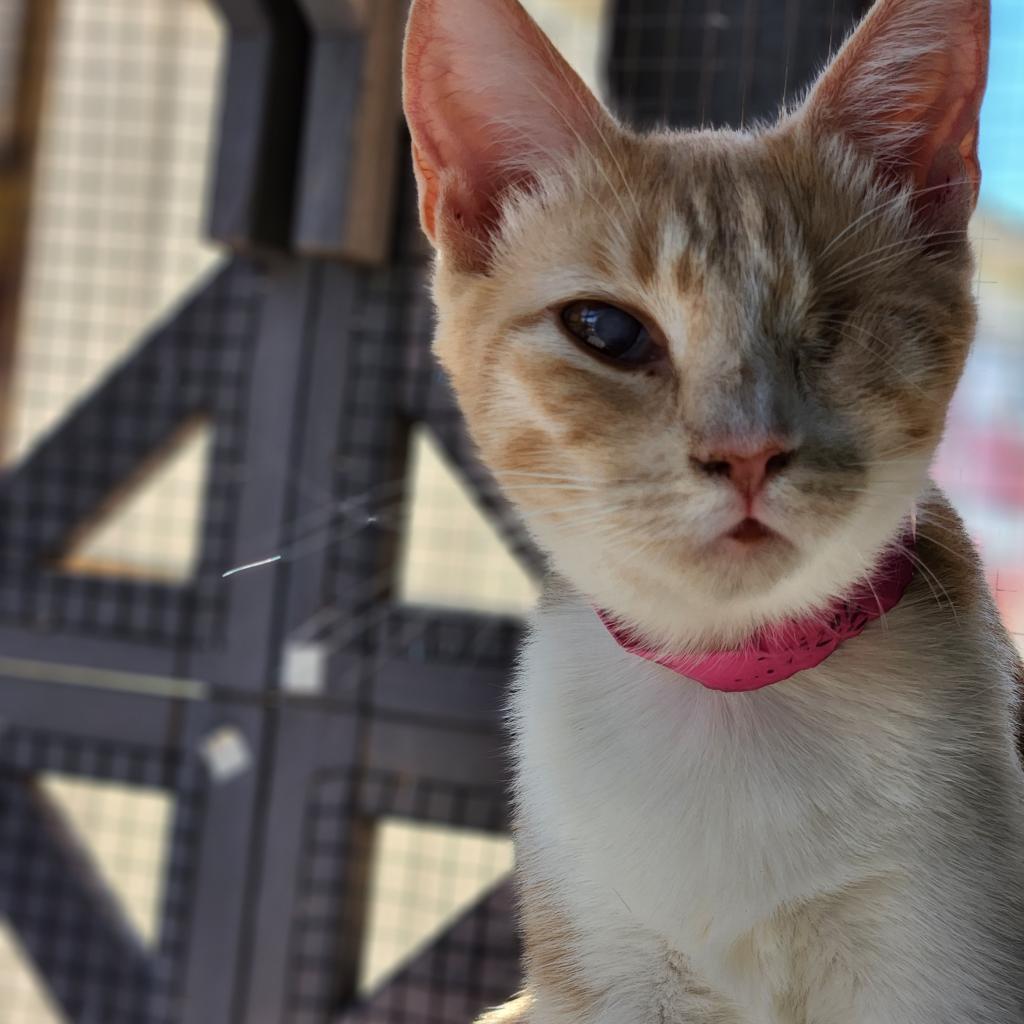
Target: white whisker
{"points": [[251, 565]]}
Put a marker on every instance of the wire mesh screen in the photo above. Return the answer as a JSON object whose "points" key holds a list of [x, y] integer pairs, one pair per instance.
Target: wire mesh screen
{"points": [[82, 509], [115, 232], [431, 934], [124, 836], [423, 878], [86, 840], [450, 555], [119, 193], [237, 490], [108, 508]]}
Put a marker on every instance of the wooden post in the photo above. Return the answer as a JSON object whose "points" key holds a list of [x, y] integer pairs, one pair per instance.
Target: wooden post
{"points": [[253, 196], [310, 128], [17, 163], [350, 149]]}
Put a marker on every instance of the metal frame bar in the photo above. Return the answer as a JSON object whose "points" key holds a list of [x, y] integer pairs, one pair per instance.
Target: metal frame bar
{"points": [[261, 121], [58, 868], [349, 158]]}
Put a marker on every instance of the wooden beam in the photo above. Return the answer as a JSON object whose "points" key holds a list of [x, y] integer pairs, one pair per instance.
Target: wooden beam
{"points": [[253, 194], [17, 165], [338, 15], [350, 149]]}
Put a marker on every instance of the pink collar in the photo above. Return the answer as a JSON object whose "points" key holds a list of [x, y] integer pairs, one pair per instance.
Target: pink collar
{"points": [[772, 656]]}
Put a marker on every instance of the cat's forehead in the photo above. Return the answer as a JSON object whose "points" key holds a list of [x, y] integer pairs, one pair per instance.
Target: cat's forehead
{"points": [[702, 224], [724, 193]]}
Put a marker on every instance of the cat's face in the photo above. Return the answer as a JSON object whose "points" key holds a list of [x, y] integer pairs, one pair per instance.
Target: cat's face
{"points": [[711, 369]]}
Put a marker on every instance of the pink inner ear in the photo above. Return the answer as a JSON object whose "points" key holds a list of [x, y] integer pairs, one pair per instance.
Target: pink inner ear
{"points": [[908, 88], [459, 154], [953, 149], [489, 101]]}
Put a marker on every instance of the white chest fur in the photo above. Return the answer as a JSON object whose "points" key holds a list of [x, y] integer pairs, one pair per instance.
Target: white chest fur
{"points": [[749, 833]]}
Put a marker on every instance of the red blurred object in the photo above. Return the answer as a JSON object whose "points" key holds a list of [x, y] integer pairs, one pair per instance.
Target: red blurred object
{"points": [[981, 465], [989, 459]]}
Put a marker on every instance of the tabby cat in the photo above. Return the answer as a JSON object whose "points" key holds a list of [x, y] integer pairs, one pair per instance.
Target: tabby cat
{"points": [[712, 369]]}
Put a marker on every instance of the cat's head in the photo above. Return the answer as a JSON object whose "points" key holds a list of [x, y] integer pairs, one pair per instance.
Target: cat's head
{"points": [[710, 368]]}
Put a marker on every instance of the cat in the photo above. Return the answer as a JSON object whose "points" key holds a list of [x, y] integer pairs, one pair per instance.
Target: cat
{"points": [[711, 369]]}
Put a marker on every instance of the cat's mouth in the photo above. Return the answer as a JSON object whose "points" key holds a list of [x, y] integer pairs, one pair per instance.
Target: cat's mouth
{"points": [[751, 532], [747, 557]]}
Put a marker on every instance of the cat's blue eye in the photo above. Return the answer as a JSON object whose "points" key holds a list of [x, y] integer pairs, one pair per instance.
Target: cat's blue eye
{"points": [[611, 332]]}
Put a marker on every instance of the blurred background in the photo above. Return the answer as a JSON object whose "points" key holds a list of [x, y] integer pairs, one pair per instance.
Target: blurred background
{"points": [[278, 794]]}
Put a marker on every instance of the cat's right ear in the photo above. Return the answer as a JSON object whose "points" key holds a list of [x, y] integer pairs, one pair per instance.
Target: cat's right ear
{"points": [[907, 90], [490, 102]]}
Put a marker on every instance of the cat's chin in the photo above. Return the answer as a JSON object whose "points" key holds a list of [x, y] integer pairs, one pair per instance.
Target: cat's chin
{"points": [[748, 560], [750, 547], [715, 591]]}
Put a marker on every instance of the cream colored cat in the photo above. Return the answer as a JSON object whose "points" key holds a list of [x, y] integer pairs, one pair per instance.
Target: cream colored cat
{"points": [[712, 369]]}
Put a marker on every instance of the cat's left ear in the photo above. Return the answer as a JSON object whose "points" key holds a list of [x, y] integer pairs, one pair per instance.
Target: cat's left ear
{"points": [[906, 89], [490, 102]]}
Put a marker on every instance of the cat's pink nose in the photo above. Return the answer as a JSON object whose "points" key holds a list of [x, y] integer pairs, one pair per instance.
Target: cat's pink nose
{"points": [[748, 470]]}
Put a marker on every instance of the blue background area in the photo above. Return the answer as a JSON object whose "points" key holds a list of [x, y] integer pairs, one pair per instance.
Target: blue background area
{"points": [[1002, 126]]}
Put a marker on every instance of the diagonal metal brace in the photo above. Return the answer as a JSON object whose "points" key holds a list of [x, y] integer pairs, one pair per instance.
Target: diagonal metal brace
{"points": [[40, 868], [104, 440]]}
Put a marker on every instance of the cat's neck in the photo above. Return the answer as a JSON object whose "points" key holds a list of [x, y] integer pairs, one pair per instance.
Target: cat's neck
{"points": [[671, 616], [774, 655]]}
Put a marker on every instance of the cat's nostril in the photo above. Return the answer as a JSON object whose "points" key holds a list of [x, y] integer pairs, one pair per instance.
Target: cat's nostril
{"points": [[712, 467], [779, 462], [748, 471]]}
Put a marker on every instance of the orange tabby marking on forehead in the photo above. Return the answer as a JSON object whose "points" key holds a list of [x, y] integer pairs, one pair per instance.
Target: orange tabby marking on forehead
{"points": [[645, 249], [689, 279], [602, 260]]}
